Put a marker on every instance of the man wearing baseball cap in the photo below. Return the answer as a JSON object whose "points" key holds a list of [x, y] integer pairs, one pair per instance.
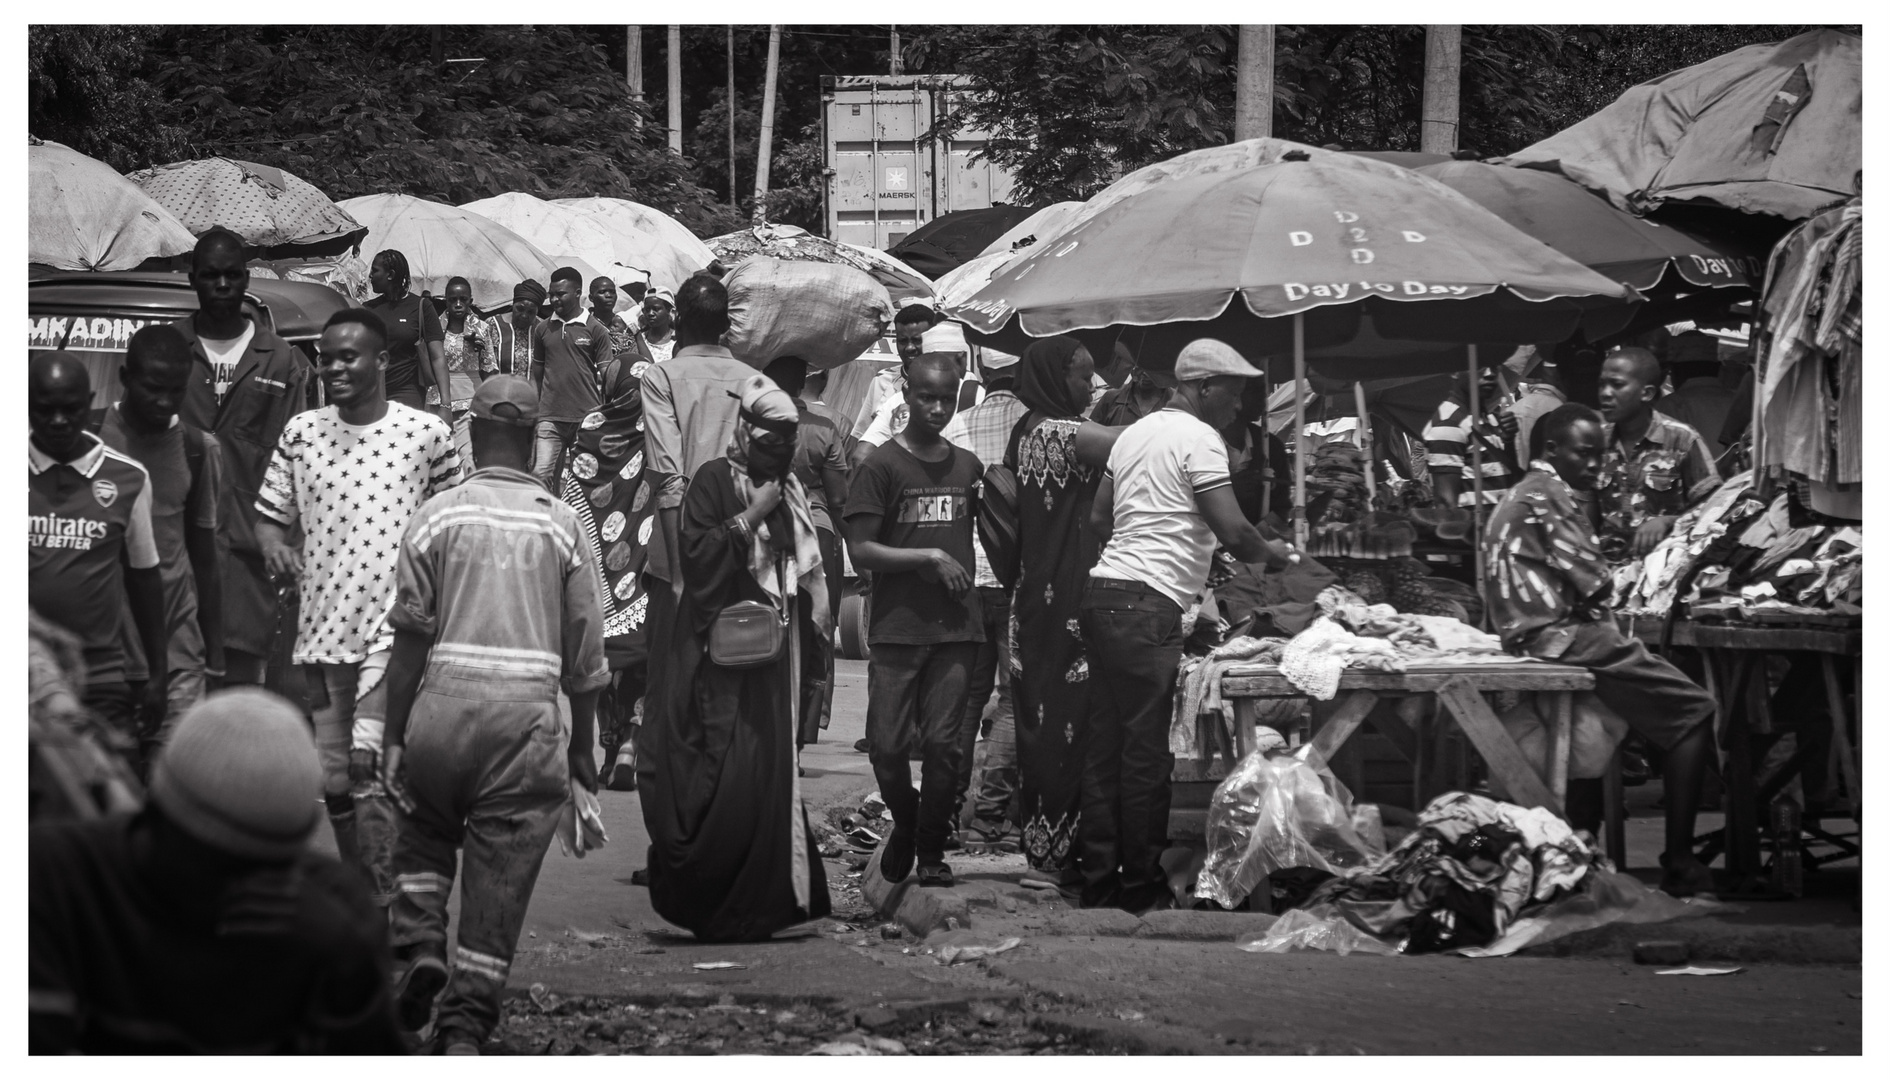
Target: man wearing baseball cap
{"points": [[497, 609], [1165, 500], [658, 323], [203, 923]]}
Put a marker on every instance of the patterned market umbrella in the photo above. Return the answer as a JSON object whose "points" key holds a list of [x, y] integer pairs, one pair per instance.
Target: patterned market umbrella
{"points": [[276, 211], [82, 215], [794, 244], [442, 242]]}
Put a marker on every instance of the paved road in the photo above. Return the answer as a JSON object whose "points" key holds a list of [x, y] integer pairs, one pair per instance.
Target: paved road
{"points": [[591, 932]]}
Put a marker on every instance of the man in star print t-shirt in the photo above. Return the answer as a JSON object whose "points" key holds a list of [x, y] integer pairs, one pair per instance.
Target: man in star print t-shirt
{"points": [[351, 475]]}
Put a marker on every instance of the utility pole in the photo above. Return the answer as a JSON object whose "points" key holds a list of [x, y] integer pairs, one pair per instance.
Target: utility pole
{"points": [[730, 101], [436, 41], [675, 89], [893, 67], [1443, 61], [766, 151], [1253, 84], [633, 66]]}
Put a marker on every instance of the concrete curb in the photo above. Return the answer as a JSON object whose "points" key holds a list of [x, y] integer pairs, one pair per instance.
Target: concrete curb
{"points": [[1710, 939]]}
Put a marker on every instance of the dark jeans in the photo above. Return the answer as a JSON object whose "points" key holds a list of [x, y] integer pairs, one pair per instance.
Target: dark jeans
{"points": [[916, 693], [1649, 692], [991, 669], [1133, 634]]}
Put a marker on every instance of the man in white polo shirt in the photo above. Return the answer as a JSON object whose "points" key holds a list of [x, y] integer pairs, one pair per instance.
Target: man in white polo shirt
{"points": [[1166, 498]]}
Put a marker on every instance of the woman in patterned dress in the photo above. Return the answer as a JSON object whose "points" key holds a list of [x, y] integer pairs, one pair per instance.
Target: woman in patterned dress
{"points": [[606, 485], [1058, 458]]}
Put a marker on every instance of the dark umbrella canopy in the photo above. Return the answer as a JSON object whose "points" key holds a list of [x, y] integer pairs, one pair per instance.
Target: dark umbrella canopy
{"points": [[1275, 229], [1594, 232], [1767, 129], [950, 240]]}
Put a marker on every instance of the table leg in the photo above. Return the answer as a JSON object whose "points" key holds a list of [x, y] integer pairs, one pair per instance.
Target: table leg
{"points": [[1561, 733], [1344, 720], [1614, 813], [1841, 736], [1742, 811], [1505, 759], [1246, 735]]}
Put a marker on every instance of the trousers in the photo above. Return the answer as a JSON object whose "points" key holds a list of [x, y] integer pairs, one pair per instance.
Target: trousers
{"points": [[553, 438], [916, 694], [1649, 692], [1133, 635], [990, 668], [488, 779], [364, 830]]}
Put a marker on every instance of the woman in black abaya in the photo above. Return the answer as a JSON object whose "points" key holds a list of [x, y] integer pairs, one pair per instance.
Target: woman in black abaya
{"points": [[731, 855]]}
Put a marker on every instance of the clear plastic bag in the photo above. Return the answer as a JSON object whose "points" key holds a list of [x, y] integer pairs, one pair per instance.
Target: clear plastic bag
{"points": [[1319, 927], [1278, 811]]}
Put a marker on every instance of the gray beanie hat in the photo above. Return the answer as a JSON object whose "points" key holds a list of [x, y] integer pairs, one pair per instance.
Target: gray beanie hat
{"points": [[240, 773]]}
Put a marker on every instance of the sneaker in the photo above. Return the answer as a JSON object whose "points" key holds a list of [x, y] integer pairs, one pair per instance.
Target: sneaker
{"points": [[418, 990], [935, 876], [622, 776]]}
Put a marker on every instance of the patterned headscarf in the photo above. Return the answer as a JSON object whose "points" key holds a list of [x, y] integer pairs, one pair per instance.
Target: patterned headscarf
{"points": [[1043, 377]]}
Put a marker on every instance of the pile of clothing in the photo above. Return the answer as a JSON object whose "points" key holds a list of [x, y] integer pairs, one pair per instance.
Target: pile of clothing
{"points": [[1353, 633], [1741, 555], [1472, 867], [1407, 584]]}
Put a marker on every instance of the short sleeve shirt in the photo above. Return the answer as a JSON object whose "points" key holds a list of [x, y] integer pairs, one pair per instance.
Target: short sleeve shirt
{"points": [[817, 450], [1447, 440], [86, 519], [410, 321], [471, 355], [920, 504], [1160, 537], [888, 420], [353, 488], [1543, 564], [1669, 470]]}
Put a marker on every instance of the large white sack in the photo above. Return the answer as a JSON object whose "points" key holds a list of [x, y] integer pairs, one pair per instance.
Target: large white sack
{"points": [[825, 313]]}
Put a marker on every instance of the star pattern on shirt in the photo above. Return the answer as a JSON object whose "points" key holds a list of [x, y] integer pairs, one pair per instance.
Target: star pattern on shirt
{"points": [[354, 489]]}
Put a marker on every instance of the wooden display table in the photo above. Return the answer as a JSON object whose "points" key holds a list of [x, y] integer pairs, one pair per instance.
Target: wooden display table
{"points": [[1735, 662], [1459, 689]]}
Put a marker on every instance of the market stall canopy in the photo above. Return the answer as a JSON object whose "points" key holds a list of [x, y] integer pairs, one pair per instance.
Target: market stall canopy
{"points": [[794, 244], [82, 215], [1406, 159], [1265, 229], [278, 212], [647, 238], [1767, 129], [1038, 227], [443, 242], [1601, 236], [568, 236], [951, 240]]}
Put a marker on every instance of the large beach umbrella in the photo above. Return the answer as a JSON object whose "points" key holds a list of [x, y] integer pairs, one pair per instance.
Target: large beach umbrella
{"points": [[794, 244], [563, 233], [646, 238], [1274, 247], [443, 242], [276, 211], [950, 240], [1578, 223], [1768, 129], [1041, 225], [82, 215]]}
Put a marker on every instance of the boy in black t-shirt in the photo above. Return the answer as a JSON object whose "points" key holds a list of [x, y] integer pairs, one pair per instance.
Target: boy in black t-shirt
{"points": [[909, 520]]}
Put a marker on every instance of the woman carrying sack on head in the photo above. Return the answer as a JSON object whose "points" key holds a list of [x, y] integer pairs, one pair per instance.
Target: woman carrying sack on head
{"points": [[732, 857]]}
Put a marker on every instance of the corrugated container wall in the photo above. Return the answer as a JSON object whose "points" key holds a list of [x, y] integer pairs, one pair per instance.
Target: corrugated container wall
{"points": [[884, 179]]}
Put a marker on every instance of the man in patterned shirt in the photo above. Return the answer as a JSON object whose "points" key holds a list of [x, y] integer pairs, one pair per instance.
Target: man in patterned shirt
{"points": [[1654, 466], [351, 475], [1548, 591], [471, 347], [1447, 441], [626, 344]]}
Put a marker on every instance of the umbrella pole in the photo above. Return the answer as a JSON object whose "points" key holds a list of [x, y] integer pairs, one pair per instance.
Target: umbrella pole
{"points": [[1365, 444], [1299, 431], [1476, 474], [1265, 448]]}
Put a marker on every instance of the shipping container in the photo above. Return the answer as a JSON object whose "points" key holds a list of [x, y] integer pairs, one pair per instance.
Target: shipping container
{"points": [[884, 178]]}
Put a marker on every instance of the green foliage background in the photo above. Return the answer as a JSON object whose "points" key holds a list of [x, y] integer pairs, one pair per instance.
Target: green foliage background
{"points": [[359, 110]]}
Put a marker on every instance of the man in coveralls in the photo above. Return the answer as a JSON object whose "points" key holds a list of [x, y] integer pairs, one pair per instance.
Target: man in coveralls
{"points": [[498, 600]]}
